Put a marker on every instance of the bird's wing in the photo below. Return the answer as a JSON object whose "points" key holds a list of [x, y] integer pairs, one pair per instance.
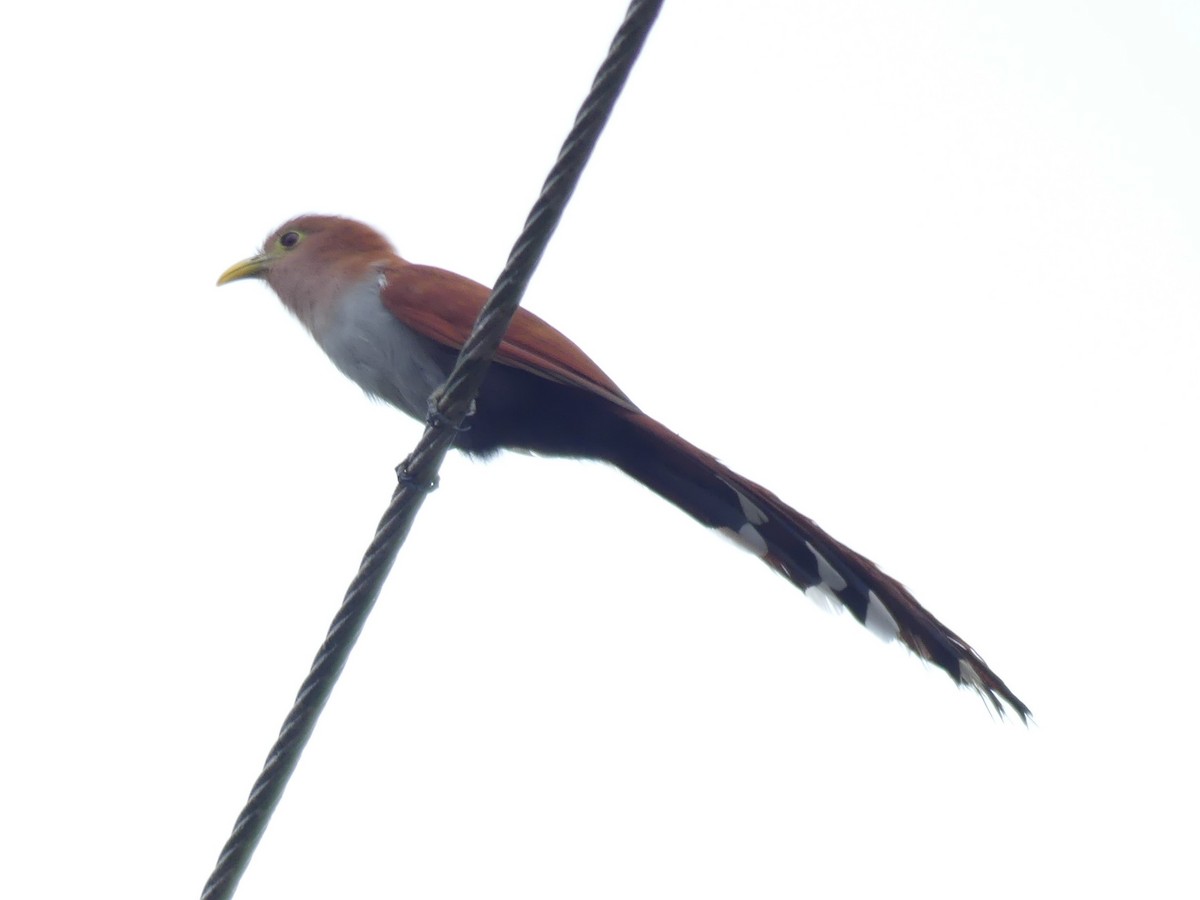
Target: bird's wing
{"points": [[443, 306]]}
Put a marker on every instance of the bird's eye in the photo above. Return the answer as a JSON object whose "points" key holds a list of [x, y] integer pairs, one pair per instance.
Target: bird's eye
{"points": [[290, 240]]}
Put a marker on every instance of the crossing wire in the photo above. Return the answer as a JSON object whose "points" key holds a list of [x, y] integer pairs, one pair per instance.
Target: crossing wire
{"points": [[418, 474]]}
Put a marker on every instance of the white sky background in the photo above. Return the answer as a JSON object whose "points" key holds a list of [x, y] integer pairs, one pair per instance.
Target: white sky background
{"points": [[927, 270]]}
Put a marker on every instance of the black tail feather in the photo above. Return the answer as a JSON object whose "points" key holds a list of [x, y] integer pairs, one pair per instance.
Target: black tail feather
{"points": [[801, 551]]}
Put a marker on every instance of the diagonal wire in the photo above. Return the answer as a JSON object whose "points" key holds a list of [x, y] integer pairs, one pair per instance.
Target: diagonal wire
{"points": [[418, 474]]}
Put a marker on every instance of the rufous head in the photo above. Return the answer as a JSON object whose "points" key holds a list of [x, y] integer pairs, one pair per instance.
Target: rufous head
{"points": [[311, 260]]}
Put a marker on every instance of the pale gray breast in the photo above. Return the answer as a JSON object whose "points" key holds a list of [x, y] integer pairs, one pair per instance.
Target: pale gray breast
{"points": [[384, 357]]}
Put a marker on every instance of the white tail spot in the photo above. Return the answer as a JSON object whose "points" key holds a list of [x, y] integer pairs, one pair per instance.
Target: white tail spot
{"points": [[748, 538], [967, 673], [827, 573], [879, 621], [824, 598], [752, 513]]}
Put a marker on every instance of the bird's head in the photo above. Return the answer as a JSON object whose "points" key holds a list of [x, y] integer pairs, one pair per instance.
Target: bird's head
{"points": [[310, 259]]}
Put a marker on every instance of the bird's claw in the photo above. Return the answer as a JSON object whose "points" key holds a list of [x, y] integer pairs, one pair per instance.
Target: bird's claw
{"points": [[405, 477], [435, 418]]}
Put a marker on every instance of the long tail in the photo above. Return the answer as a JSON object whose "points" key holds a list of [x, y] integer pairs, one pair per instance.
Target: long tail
{"points": [[799, 550]]}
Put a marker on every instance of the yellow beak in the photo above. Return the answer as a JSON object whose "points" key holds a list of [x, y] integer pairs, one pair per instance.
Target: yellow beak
{"points": [[254, 267]]}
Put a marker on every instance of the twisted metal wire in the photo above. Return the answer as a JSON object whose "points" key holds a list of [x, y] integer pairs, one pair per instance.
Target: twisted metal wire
{"points": [[418, 474]]}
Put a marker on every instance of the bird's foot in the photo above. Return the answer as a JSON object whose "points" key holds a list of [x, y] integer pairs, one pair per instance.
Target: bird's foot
{"points": [[405, 476], [435, 418]]}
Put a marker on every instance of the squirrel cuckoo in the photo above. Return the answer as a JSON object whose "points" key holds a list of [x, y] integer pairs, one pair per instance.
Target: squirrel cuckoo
{"points": [[396, 328]]}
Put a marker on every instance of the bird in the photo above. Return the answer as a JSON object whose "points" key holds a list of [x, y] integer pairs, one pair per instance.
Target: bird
{"points": [[396, 327]]}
